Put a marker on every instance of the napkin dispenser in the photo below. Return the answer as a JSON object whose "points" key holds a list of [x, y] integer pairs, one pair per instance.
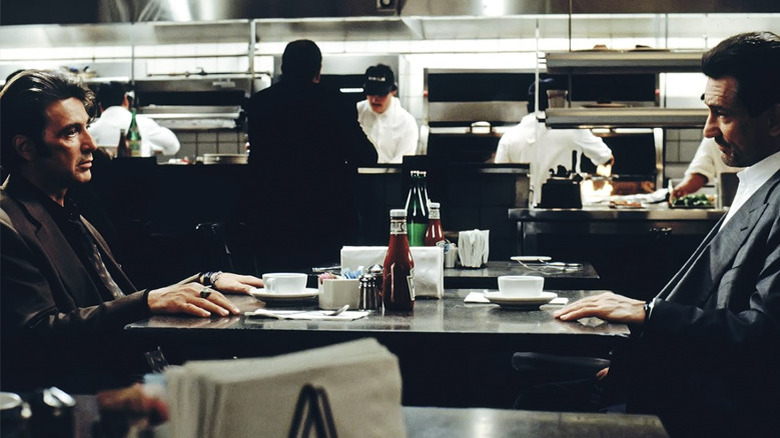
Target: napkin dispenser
{"points": [[428, 265], [474, 248]]}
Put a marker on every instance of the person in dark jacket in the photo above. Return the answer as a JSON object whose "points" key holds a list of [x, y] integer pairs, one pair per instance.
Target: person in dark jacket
{"points": [[305, 147], [706, 351], [64, 298]]}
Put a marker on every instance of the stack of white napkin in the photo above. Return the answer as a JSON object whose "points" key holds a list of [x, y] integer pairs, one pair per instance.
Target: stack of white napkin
{"points": [[258, 397], [473, 248]]}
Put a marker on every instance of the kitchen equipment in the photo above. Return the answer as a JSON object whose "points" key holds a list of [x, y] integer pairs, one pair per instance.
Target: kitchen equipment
{"points": [[225, 158], [562, 189]]}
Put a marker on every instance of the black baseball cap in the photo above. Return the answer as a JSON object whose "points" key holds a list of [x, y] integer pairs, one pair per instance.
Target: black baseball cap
{"points": [[379, 80]]}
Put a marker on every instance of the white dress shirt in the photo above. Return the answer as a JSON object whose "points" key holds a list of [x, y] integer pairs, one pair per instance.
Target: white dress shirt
{"points": [[532, 142], [393, 133], [154, 138], [750, 179]]}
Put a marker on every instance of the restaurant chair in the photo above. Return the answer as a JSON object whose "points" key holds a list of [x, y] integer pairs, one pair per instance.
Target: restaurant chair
{"points": [[227, 247], [564, 367], [562, 383]]}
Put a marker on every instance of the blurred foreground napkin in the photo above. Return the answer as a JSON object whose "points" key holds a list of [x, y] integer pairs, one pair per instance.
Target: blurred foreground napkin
{"points": [[473, 248], [242, 398], [428, 265]]}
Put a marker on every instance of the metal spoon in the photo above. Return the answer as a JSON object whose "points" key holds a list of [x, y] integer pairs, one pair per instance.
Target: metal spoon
{"points": [[337, 311]]}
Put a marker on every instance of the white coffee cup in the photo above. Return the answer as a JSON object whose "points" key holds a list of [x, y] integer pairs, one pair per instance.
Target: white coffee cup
{"points": [[336, 292], [284, 282], [520, 286]]}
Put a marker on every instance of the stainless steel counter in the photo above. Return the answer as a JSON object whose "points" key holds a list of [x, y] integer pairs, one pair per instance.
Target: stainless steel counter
{"points": [[653, 212]]}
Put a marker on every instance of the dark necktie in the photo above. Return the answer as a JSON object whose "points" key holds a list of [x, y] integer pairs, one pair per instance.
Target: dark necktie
{"points": [[93, 253]]}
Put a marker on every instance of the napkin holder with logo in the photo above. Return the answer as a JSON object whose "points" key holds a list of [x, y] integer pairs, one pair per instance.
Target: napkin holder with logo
{"points": [[428, 265], [335, 388]]}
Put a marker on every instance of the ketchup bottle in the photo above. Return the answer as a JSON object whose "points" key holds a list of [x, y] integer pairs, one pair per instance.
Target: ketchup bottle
{"points": [[398, 278], [435, 233]]}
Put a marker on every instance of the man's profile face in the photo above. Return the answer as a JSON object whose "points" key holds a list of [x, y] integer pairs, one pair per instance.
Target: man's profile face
{"points": [[65, 156], [743, 139], [379, 103]]}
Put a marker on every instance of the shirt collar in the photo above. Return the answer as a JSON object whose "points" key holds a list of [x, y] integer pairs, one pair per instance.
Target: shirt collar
{"points": [[759, 173]]}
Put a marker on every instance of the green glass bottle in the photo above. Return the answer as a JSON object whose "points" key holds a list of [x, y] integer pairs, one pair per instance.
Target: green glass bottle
{"points": [[134, 137], [417, 209]]}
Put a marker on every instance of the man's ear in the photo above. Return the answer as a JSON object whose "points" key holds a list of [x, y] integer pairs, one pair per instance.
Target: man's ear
{"points": [[25, 147], [774, 120]]}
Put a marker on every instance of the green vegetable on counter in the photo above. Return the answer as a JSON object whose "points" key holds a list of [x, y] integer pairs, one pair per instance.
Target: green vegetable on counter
{"points": [[692, 201]]}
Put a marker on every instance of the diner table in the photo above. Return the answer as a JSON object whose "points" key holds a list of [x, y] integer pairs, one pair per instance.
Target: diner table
{"points": [[485, 277], [451, 353]]}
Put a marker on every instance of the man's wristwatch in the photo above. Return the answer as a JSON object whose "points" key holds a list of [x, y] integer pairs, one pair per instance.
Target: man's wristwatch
{"points": [[649, 309]]}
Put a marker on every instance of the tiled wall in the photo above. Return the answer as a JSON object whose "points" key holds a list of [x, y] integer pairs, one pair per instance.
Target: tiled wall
{"points": [[196, 143], [681, 145]]}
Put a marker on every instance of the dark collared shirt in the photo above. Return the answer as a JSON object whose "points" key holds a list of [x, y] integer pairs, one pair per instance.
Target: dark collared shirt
{"points": [[68, 219]]}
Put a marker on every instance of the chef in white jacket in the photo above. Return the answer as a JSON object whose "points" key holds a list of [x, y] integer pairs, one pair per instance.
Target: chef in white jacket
{"points": [[116, 115], [706, 166], [532, 142], [389, 127]]}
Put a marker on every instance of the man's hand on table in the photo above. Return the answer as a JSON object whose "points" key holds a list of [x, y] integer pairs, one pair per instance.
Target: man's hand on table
{"points": [[235, 283], [608, 306], [190, 298], [196, 299]]}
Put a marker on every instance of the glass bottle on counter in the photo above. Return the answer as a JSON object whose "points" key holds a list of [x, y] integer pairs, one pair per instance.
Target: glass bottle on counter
{"points": [[134, 137], [434, 235], [121, 148], [398, 268], [417, 209]]}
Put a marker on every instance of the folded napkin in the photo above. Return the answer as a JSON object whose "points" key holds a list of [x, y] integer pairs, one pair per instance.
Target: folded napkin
{"points": [[349, 315], [476, 297]]}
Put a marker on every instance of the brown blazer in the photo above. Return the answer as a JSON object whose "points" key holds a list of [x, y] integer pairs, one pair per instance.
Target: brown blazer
{"points": [[43, 291]]}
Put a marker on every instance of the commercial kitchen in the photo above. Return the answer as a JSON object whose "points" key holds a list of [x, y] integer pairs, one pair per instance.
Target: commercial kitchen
{"points": [[463, 69]]}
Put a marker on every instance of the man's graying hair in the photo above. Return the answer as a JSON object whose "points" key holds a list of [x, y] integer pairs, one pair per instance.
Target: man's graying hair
{"points": [[23, 103], [753, 59]]}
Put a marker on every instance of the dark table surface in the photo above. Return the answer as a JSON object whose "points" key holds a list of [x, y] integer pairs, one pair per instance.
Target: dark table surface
{"points": [[451, 353], [585, 277], [431, 422]]}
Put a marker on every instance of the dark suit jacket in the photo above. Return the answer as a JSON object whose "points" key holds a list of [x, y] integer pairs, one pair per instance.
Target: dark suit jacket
{"points": [[47, 323], [708, 359], [305, 147]]}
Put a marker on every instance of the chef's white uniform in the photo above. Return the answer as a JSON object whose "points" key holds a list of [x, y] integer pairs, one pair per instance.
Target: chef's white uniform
{"points": [[532, 142], [393, 133], [154, 138]]}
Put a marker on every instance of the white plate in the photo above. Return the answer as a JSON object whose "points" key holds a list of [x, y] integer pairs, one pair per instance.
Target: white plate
{"points": [[306, 294], [520, 302], [531, 258]]}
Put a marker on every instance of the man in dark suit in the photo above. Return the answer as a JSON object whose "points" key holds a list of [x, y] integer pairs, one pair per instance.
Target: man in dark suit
{"points": [[64, 298], [705, 355], [305, 147]]}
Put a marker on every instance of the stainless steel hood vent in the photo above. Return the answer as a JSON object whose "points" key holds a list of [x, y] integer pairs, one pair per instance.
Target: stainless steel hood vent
{"points": [[194, 104], [116, 11]]}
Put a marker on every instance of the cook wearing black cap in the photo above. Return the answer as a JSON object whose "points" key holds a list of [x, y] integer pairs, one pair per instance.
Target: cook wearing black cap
{"points": [[389, 127]]}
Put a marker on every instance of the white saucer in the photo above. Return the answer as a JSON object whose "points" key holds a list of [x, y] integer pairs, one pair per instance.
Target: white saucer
{"points": [[306, 294], [520, 302], [531, 258]]}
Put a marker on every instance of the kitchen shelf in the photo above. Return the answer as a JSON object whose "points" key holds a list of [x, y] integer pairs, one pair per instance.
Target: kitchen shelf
{"points": [[625, 117], [633, 61]]}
